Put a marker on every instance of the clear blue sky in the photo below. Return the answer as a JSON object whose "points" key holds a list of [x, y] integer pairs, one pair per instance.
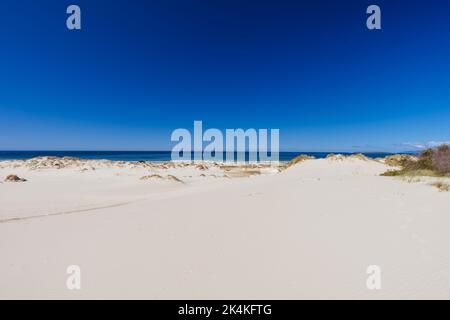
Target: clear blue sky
{"points": [[139, 69]]}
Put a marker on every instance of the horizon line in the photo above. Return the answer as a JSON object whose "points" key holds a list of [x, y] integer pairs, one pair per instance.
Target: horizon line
{"points": [[297, 151]]}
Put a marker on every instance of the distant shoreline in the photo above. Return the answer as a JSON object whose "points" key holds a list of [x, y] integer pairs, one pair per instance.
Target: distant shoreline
{"points": [[158, 156]]}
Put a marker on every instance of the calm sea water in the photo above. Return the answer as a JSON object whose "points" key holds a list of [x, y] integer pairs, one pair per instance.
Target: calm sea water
{"points": [[143, 155]]}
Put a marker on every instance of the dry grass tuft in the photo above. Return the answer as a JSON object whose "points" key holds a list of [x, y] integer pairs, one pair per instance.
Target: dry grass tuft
{"points": [[173, 178], [335, 157], [442, 186], [159, 177], [151, 176], [299, 159], [398, 160], [411, 179], [14, 178], [359, 156], [411, 173]]}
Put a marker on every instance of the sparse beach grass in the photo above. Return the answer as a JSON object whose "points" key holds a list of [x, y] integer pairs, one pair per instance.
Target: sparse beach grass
{"points": [[299, 159], [413, 173], [411, 179], [442, 186]]}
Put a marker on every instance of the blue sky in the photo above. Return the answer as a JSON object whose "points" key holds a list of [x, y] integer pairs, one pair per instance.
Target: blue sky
{"points": [[137, 70]]}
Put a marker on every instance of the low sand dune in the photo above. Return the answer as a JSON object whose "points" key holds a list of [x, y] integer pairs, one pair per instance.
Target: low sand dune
{"points": [[242, 232]]}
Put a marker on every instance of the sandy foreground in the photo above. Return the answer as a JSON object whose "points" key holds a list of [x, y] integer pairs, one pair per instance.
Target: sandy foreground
{"points": [[211, 231]]}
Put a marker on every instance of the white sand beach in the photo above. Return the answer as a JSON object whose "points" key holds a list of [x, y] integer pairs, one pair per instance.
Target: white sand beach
{"points": [[214, 231]]}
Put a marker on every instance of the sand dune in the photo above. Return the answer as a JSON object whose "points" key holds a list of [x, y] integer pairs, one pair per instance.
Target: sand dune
{"points": [[243, 232]]}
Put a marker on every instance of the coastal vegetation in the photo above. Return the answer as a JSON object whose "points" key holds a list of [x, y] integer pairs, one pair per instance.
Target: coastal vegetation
{"points": [[299, 159], [433, 162], [442, 186]]}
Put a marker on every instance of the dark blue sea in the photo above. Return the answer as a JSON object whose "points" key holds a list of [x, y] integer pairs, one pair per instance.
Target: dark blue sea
{"points": [[146, 155]]}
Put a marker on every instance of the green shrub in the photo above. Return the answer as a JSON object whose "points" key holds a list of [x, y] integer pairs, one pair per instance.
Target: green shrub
{"points": [[431, 162]]}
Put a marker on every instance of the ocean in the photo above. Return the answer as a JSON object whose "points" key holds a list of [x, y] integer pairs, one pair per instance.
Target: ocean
{"points": [[149, 155]]}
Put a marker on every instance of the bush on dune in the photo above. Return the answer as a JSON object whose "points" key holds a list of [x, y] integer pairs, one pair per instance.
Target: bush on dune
{"points": [[431, 162], [442, 158]]}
